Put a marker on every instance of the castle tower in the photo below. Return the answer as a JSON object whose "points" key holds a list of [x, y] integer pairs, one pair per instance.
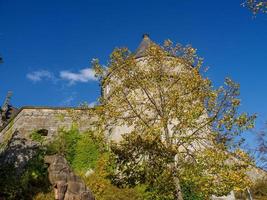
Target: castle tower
{"points": [[141, 65], [139, 54], [143, 46]]}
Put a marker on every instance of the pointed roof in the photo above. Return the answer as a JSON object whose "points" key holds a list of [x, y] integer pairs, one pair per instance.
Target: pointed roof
{"points": [[143, 46]]}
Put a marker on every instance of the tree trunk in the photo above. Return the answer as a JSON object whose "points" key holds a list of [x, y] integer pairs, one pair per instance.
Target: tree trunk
{"points": [[176, 181], [178, 191]]}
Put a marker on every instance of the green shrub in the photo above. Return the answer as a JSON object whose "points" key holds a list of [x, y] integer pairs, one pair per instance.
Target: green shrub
{"points": [[65, 143], [35, 136], [102, 187], [80, 149], [86, 153], [190, 192]]}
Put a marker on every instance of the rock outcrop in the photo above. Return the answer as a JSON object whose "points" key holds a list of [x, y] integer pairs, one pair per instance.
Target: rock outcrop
{"points": [[67, 185], [18, 151]]}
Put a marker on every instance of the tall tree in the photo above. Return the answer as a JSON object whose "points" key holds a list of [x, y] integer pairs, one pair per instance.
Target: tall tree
{"points": [[177, 126]]}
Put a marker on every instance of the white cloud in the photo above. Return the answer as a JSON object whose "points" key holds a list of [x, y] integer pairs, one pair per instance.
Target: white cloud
{"points": [[40, 75], [83, 75]]}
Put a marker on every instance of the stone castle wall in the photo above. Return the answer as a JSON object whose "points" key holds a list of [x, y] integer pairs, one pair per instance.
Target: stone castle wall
{"points": [[30, 119]]}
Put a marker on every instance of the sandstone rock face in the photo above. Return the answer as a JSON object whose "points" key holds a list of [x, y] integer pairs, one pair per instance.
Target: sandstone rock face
{"points": [[67, 185]]}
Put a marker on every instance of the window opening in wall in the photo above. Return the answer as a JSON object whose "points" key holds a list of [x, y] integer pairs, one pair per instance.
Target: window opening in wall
{"points": [[42, 132]]}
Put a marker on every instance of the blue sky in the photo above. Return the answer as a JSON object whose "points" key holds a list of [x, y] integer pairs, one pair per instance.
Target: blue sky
{"points": [[47, 45]]}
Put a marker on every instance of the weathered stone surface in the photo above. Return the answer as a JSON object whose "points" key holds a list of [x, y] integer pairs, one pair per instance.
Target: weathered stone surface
{"points": [[31, 119], [67, 185], [18, 152]]}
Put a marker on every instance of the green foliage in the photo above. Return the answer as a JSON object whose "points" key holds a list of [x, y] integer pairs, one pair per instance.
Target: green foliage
{"points": [[80, 149], [24, 186], [86, 153], [35, 178], [65, 143], [190, 191], [143, 160], [102, 187], [35, 136], [153, 175]]}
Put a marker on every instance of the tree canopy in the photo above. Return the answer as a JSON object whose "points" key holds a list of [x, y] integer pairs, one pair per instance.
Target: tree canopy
{"points": [[179, 127]]}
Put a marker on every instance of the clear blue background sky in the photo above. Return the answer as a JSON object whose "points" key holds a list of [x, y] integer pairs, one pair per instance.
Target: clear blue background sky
{"points": [[46, 43]]}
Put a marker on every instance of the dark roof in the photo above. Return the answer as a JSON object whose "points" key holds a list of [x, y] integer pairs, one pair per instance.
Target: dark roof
{"points": [[143, 46]]}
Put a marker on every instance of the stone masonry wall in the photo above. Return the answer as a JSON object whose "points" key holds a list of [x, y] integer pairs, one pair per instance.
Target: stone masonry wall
{"points": [[31, 119]]}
